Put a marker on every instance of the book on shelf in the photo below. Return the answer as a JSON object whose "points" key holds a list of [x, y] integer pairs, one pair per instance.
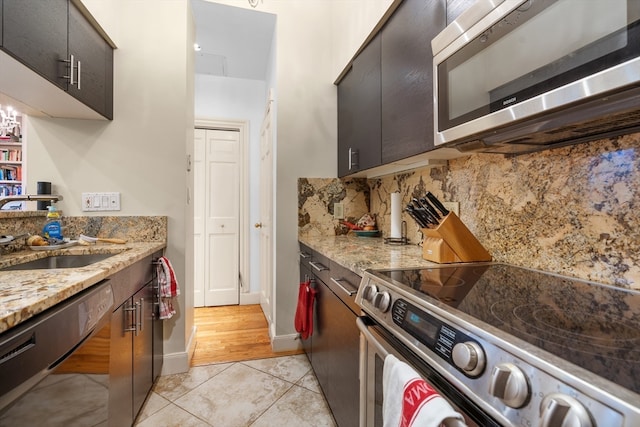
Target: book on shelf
{"points": [[10, 189], [11, 173], [10, 155]]}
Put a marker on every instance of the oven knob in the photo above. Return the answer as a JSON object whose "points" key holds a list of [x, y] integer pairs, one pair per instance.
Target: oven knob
{"points": [[382, 301], [561, 410], [369, 291], [469, 357], [509, 384]]}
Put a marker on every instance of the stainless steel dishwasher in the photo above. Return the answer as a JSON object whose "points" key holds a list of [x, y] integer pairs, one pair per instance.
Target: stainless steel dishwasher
{"points": [[55, 366]]}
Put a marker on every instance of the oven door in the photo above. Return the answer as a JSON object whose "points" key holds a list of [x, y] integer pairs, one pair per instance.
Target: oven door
{"points": [[375, 344]]}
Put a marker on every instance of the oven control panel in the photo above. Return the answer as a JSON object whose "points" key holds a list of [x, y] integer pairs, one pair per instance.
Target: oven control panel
{"points": [[454, 346]]}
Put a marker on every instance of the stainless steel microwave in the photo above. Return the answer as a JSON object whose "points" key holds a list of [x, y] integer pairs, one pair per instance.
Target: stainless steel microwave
{"points": [[514, 76]]}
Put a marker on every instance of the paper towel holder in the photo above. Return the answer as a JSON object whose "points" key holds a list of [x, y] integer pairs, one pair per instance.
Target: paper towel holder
{"points": [[399, 240]]}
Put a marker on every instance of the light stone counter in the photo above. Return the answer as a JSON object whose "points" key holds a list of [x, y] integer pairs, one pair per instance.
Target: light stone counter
{"points": [[360, 253], [25, 293]]}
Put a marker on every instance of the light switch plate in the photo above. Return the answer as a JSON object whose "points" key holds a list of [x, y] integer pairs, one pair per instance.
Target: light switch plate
{"points": [[338, 211], [92, 202]]}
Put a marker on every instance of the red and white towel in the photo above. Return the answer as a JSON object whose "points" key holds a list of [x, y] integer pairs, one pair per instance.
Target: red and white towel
{"points": [[168, 287], [408, 401], [304, 311]]}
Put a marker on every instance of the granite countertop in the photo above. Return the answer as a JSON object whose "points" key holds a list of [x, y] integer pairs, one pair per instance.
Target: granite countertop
{"points": [[360, 253], [25, 293]]}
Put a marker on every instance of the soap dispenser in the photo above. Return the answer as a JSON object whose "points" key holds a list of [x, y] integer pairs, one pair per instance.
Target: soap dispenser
{"points": [[53, 227]]}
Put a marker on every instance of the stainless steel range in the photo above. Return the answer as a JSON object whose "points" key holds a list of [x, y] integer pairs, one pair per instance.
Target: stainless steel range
{"points": [[506, 345]]}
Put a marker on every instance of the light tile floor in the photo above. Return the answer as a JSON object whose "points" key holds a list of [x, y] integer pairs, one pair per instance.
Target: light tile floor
{"points": [[279, 391]]}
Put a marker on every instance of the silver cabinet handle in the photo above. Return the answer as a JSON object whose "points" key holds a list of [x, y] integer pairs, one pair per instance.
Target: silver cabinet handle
{"points": [[71, 72], [353, 158], [130, 326], [305, 255], [70, 75], [337, 282], [79, 74], [318, 266], [136, 322], [141, 314]]}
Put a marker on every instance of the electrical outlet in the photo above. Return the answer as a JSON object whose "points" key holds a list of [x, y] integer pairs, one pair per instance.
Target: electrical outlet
{"points": [[100, 202], [453, 207], [338, 211]]}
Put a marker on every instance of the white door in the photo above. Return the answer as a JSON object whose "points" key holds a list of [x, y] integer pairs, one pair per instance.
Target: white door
{"points": [[217, 213], [266, 218], [198, 216]]}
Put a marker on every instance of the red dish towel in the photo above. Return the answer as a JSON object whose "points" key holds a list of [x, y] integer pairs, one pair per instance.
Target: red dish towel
{"points": [[304, 311], [168, 287], [409, 401]]}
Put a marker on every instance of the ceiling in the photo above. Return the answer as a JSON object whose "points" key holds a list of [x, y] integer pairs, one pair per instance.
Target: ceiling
{"points": [[235, 42]]}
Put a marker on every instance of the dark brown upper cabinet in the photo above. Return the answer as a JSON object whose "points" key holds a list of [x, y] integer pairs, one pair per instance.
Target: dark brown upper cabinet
{"points": [[407, 78], [95, 56], [385, 102], [35, 33], [359, 112], [55, 40]]}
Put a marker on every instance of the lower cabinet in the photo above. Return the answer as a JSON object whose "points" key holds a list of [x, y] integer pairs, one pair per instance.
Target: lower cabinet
{"points": [[135, 328], [333, 348]]}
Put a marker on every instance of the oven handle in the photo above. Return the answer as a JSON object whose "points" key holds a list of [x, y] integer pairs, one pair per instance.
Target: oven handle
{"points": [[382, 351], [364, 329]]}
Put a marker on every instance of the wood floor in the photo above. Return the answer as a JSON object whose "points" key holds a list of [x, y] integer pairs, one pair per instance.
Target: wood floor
{"points": [[231, 334]]}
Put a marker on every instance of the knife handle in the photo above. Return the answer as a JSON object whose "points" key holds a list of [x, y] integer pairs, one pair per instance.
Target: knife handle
{"points": [[429, 207], [437, 203]]}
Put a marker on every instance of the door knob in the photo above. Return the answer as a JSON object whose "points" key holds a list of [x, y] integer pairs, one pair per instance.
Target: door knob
{"points": [[258, 225]]}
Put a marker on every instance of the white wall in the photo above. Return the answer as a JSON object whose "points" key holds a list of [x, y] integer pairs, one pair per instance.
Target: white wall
{"points": [[353, 21], [238, 99], [141, 153]]}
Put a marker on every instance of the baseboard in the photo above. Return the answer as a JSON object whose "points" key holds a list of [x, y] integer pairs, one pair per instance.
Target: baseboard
{"points": [[250, 298], [179, 362], [289, 342]]}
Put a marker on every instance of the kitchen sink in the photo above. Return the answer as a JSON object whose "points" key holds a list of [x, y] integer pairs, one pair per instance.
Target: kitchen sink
{"points": [[59, 261]]}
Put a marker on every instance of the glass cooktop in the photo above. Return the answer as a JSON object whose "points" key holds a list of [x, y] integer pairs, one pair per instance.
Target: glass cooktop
{"points": [[593, 326]]}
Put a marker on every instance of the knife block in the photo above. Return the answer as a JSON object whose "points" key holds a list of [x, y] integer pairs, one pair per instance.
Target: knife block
{"points": [[451, 241]]}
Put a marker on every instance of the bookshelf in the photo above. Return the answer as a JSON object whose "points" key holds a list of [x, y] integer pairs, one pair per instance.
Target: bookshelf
{"points": [[11, 170]]}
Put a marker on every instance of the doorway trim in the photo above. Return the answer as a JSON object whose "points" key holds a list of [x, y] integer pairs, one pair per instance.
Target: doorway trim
{"points": [[242, 126]]}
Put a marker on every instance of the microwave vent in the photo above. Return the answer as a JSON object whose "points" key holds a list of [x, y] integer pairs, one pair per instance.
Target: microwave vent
{"points": [[610, 116]]}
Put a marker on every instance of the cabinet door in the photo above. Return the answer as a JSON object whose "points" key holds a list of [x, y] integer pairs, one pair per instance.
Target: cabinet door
{"points": [[359, 113], [407, 84], [320, 361], [142, 346], [35, 33], [94, 57], [344, 387], [120, 367]]}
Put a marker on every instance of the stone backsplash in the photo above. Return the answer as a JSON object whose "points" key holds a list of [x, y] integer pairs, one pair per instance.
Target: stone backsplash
{"points": [[316, 198], [130, 228], [570, 210]]}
